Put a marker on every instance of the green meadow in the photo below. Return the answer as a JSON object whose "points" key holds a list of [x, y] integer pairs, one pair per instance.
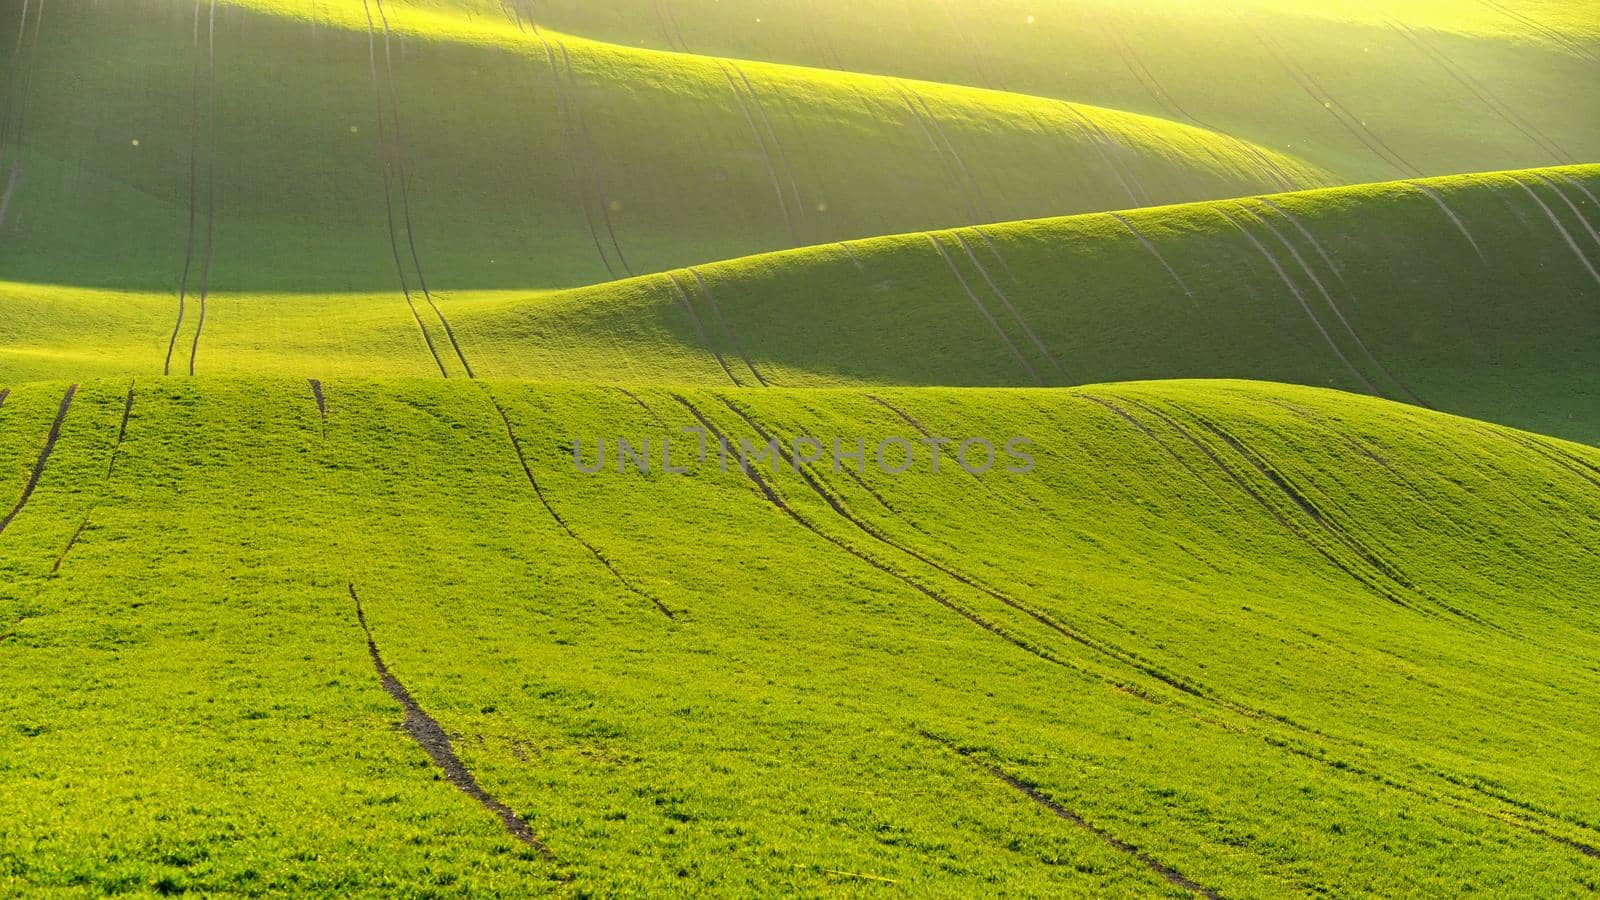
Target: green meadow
{"points": [[792, 447]]}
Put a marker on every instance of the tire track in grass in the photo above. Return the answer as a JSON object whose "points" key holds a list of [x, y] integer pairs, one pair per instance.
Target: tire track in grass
{"points": [[1589, 227], [951, 174], [15, 178], [1322, 251], [1494, 104], [1011, 308], [1150, 246], [388, 190], [431, 737], [570, 141], [111, 467], [1314, 89], [1579, 185], [211, 179], [766, 155], [1088, 131], [1444, 207], [984, 311], [1207, 695], [987, 214], [194, 181], [1164, 98], [11, 75], [772, 135], [722, 325], [1032, 792], [1333, 304], [587, 153], [1557, 37], [405, 191], [854, 475], [855, 259], [998, 256], [1304, 304], [1565, 234], [699, 327], [977, 61], [4, 393], [522, 459], [936, 596], [43, 461]]}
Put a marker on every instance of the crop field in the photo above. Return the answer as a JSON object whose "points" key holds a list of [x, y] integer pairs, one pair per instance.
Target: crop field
{"points": [[797, 447]]}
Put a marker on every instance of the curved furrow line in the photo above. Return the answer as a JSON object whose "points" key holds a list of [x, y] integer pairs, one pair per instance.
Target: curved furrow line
{"points": [[522, 459], [766, 155], [1588, 226], [11, 76], [994, 324], [1580, 187], [1444, 207], [722, 325], [855, 259], [405, 192], [1349, 121], [1150, 246], [587, 153], [906, 417], [111, 466], [1099, 149], [211, 179], [1109, 151], [388, 190], [994, 250], [984, 211], [43, 461], [1334, 305], [1335, 268], [1555, 36], [194, 180], [1304, 304], [772, 135], [1565, 234], [766, 436], [1494, 104], [4, 393], [951, 174], [699, 327], [569, 138], [15, 178], [1032, 792], [978, 68], [936, 596], [434, 741], [1010, 307]]}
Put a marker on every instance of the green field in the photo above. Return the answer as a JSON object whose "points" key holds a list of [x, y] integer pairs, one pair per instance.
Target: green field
{"points": [[1283, 322]]}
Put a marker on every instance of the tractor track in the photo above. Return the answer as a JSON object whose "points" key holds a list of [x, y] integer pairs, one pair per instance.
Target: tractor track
{"points": [[1011, 308], [1589, 227], [570, 140], [1328, 297], [194, 181], [43, 461], [854, 475], [984, 310], [1350, 121], [399, 146], [682, 294], [855, 259], [1580, 187], [596, 188], [1327, 258], [522, 459], [211, 180], [1198, 692], [111, 467], [1033, 793], [722, 325], [4, 393], [1557, 37], [772, 135], [1444, 207], [1565, 234], [388, 191], [1494, 104], [1086, 128], [978, 66], [998, 256], [15, 177], [431, 737], [766, 156], [11, 75], [1150, 246], [932, 127], [936, 596], [1299, 296]]}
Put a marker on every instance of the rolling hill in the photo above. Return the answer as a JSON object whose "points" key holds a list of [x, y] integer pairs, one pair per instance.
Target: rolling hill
{"points": [[1477, 295], [1367, 618]]}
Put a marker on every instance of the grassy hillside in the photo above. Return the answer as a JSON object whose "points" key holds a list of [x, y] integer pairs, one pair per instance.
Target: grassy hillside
{"points": [[1477, 295], [1369, 91], [1366, 618], [182, 148]]}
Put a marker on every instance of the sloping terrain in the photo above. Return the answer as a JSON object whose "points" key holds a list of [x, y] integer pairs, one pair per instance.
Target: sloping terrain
{"points": [[1362, 632], [226, 148], [1477, 295]]}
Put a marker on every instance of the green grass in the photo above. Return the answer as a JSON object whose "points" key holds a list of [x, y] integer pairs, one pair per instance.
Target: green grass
{"points": [[1509, 335], [190, 702]]}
